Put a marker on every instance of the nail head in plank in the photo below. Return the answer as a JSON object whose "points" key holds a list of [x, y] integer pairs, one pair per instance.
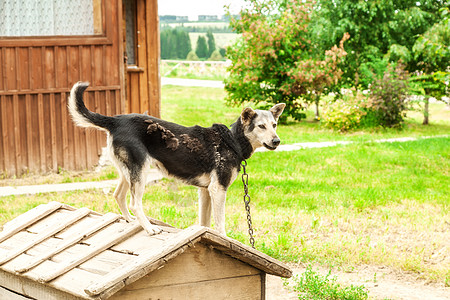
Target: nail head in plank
{"points": [[107, 219], [134, 228], [77, 215], [35, 215]]}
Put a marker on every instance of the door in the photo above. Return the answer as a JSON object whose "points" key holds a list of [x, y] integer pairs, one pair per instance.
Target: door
{"points": [[140, 29]]}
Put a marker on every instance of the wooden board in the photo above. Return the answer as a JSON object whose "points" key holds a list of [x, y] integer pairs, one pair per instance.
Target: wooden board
{"points": [[243, 288]]}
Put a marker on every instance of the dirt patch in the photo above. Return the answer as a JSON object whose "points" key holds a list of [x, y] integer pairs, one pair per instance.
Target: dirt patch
{"points": [[381, 283]]}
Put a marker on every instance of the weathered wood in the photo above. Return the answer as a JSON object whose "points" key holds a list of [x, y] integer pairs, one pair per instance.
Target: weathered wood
{"points": [[177, 240], [248, 255], [121, 235], [81, 213], [33, 289], [8, 295], [245, 288], [41, 69], [107, 219], [28, 219]]}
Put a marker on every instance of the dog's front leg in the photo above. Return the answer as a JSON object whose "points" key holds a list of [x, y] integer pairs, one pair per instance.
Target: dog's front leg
{"points": [[204, 207], [137, 191], [218, 196]]}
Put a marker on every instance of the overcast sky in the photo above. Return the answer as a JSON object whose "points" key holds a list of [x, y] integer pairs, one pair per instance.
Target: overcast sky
{"points": [[193, 8]]}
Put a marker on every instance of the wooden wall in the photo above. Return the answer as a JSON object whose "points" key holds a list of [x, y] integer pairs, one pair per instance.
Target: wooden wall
{"points": [[36, 74]]}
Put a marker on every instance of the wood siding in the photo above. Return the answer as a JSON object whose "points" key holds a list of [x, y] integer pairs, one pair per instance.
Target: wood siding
{"points": [[36, 74]]}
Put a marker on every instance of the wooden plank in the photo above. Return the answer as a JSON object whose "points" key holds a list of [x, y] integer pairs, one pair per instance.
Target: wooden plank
{"points": [[75, 216], [53, 130], [64, 129], [29, 134], [153, 57], [142, 53], [55, 41], [109, 241], [201, 263], [10, 68], [17, 125], [7, 294], [245, 288], [247, 254], [41, 132], [106, 220], [36, 290], [5, 135], [144, 259], [27, 219]]}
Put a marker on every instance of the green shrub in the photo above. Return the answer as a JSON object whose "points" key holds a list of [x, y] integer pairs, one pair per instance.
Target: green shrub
{"points": [[388, 96], [345, 114], [192, 56], [215, 56], [313, 286]]}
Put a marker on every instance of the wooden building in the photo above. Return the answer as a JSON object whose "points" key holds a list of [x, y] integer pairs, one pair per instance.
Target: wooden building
{"points": [[55, 251], [45, 47]]}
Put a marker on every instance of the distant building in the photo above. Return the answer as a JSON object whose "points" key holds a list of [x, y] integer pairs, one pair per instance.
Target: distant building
{"points": [[173, 19], [208, 18]]}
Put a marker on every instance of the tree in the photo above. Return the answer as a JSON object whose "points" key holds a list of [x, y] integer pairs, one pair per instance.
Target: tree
{"points": [[377, 29], [432, 51], [211, 42], [201, 49], [275, 61], [175, 43]]}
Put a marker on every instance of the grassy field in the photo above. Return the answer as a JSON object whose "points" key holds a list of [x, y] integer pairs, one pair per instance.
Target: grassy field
{"points": [[383, 204]]}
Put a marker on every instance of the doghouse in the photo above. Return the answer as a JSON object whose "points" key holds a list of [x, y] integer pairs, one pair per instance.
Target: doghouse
{"points": [[55, 251]]}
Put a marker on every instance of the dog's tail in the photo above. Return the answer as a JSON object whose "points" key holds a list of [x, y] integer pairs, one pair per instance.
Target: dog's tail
{"points": [[81, 115]]}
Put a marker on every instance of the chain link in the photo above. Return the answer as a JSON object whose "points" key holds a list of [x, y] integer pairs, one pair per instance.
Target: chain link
{"points": [[247, 203]]}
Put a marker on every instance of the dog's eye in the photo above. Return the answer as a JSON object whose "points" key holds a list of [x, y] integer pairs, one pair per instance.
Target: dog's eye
{"points": [[274, 125], [262, 126]]}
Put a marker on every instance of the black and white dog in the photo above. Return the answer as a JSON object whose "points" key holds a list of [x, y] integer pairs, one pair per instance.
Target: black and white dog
{"points": [[208, 158]]}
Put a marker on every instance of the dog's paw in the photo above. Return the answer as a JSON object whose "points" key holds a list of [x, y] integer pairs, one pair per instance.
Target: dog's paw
{"points": [[129, 218], [153, 229]]}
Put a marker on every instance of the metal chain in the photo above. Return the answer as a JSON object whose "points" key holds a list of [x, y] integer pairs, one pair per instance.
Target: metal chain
{"points": [[247, 203]]}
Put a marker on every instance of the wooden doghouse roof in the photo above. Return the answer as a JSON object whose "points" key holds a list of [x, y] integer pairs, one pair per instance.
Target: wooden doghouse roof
{"points": [[93, 256]]}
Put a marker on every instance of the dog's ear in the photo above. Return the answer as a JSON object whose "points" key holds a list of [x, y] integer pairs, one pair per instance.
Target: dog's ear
{"points": [[277, 110], [247, 115]]}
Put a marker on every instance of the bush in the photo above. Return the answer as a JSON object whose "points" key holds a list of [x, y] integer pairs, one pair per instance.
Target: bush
{"points": [[345, 114], [192, 56], [388, 96], [215, 56]]}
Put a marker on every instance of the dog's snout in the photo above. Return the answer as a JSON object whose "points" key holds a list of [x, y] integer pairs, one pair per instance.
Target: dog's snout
{"points": [[276, 141]]}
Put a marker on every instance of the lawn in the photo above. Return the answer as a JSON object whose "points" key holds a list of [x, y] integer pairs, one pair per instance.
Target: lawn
{"points": [[383, 204]]}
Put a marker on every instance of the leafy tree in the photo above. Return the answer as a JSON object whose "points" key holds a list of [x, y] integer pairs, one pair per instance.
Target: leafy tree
{"points": [[377, 29], [201, 49], [211, 43], [275, 61], [433, 53]]}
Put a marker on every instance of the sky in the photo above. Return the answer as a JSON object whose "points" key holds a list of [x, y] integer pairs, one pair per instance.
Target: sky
{"points": [[193, 8]]}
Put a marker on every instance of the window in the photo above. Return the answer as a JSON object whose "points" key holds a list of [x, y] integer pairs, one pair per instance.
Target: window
{"points": [[50, 17]]}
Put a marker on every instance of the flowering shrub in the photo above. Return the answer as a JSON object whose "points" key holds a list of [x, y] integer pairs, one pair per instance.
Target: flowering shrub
{"points": [[275, 61], [345, 114]]}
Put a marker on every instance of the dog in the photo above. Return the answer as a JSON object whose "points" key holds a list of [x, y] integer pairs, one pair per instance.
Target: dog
{"points": [[208, 158]]}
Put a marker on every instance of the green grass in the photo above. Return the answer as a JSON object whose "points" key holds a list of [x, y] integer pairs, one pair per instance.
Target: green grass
{"points": [[311, 285], [365, 203]]}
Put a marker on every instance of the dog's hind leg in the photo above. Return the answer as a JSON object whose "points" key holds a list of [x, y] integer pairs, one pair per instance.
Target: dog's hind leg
{"points": [[204, 205], [120, 194], [137, 191]]}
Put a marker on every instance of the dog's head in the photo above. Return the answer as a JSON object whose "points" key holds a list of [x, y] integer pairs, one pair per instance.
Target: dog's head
{"points": [[260, 126]]}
